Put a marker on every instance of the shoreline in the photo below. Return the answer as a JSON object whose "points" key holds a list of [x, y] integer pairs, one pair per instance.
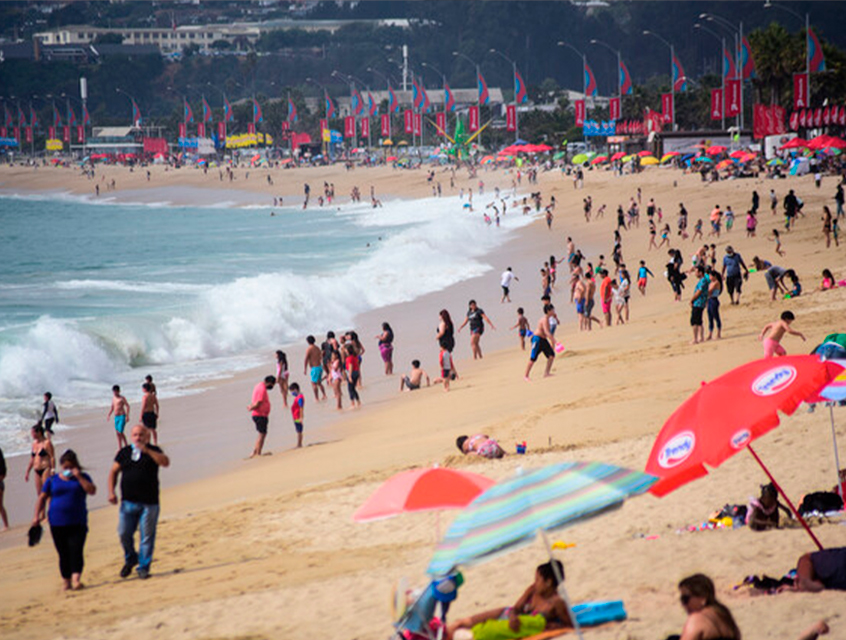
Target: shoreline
{"points": [[257, 549]]}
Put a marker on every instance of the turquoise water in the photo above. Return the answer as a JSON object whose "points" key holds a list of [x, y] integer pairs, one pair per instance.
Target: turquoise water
{"points": [[93, 294]]}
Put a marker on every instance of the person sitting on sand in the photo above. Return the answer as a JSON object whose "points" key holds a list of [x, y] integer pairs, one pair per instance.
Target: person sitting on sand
{"points": [[480, 445], [828, 281], [540, 608], [707, 617], [414, 379], [763, 511], [820, 570]]}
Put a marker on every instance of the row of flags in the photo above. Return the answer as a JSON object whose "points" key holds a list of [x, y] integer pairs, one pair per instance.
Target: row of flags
{"points": [[9, 120], [822, 116]]}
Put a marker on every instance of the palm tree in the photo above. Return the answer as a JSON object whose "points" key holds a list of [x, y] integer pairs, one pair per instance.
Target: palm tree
{"points": [[778, 55]]}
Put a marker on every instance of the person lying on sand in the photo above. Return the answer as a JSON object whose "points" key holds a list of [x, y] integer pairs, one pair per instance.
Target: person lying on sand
{"points": [[820, 570], [540, 608], [481, 445]]}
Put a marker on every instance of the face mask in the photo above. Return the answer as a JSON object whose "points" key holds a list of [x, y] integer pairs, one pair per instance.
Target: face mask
{"points": [[67, 473]]}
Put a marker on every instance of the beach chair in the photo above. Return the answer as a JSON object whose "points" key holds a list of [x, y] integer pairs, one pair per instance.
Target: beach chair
{"points": [[418, 620]]}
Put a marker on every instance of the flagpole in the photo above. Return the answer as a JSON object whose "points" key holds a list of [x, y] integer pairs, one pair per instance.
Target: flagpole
{"points": [[807, 59], [647, 32], [740, 74], [722, 41]]}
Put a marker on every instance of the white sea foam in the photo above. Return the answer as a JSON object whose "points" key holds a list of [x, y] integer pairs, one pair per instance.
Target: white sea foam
{"points": [[438, 244]]}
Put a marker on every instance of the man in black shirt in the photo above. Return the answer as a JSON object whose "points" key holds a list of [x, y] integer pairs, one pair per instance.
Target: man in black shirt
{"points": [[138, 466], [3, 515]]}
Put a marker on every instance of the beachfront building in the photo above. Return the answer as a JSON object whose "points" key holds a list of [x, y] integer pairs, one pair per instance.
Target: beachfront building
{"points": [[240, 36]]}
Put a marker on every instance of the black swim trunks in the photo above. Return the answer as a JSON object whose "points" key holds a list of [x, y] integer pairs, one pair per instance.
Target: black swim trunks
{"points": [[149, 419], [261, 423], [696, 316]]}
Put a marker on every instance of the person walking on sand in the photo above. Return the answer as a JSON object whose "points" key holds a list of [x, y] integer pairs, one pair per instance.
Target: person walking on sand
{"points": [[259, 408], [352, 372], [386, 348], [42, 458], [313, 367], [773, 332], [476, 318], [3, 471], [828, 222], [542, 343], [120, 410], [606, 296], [731, 272], [68, 516], [522, 326], [49, 414], [150, 410], [138, 467], [505, 282]]}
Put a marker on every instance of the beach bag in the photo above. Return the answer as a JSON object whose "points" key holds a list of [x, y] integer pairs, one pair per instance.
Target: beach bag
{"points": [[821, 502]]}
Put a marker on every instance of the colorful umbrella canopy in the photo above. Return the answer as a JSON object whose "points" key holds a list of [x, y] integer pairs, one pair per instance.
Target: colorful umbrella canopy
{"points": [[511, 513], [775, 162], [599, 160], [725, 415], [647, 162], [618, 156], [716, 149], [825, 142], [580, 159], [644, 153], [795, 143], [738, 153], [722, 164], [669, 156], [427, 489]]}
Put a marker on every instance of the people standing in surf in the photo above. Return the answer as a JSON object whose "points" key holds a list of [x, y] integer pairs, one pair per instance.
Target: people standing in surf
{"points": [[313, 367], [42, 458], [476, 318], [3, 516], [386, 347], [282, 375], [49, 415], [446, 335], [120, 411], [352, 373]]}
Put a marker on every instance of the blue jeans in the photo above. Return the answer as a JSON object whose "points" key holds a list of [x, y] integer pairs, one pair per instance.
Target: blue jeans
{"points": [[142, 517]]}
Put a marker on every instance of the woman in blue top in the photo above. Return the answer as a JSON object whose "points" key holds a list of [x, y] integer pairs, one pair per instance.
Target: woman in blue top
{"points": [[68, 516]]}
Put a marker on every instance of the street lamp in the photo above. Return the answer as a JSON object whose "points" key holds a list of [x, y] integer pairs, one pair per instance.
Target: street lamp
{"points": [[458, 54], [647, 32], [737, 32], [513, 77], [619, 68], [807, 17], [722, 41]]}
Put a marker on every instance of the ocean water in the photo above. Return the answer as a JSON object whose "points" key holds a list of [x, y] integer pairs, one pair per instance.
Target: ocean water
{"points": [[95, 293]]}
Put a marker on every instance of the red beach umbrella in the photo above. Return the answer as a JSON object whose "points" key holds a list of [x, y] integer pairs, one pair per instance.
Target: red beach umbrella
{"points": [[429, 489], [644, 153], [599, 160], [725, 415], [618, 156], [716, 149], [795, 143], [826, 142]]}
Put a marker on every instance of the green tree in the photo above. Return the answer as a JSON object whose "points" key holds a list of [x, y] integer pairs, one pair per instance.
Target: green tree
{"points": [[778, 55]]}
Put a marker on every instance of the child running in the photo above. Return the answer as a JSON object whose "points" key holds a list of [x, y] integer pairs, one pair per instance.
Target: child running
{"points": [[773, 332], [447, 368], [777, 239], [642, 272]]}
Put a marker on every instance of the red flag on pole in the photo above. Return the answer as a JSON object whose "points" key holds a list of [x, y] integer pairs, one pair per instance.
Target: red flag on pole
{"points": [[418, 124], [818, 117], [511, 118], [386, 125], [440, 121], [826, 117], [182, 132], [251, 128], [667, 108], [221, 132], [28, 133], [716, 104], [614, 109], [17, 132], [80, 134], [473, 118], [794, 121], [66, 134], [51, 132], [579, 110], [349, 127], [800, 90], [3, 132], [732, 98], [408, 118], [201, 129], [365, 127]]}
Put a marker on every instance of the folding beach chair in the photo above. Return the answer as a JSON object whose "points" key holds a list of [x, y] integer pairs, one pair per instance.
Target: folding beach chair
{"points": [[418, 621]]}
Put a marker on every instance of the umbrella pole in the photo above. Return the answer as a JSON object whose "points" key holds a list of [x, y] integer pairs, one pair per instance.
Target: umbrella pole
{"points": [[562, 590], [836, 454], [786, 499]]}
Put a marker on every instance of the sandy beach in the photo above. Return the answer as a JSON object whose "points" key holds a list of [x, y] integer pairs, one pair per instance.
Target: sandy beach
{"points": [[267, 548]]}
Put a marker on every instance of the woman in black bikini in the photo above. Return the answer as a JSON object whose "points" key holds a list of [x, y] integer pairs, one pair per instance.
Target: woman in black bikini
{"points": [[42, 459]]}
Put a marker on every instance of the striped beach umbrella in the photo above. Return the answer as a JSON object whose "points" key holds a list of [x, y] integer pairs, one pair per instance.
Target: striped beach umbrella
{"points": [[512, 513]]}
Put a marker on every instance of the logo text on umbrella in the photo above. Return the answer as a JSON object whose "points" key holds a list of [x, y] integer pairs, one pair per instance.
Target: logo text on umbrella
{"points": [[677, 450], [774, 381]]}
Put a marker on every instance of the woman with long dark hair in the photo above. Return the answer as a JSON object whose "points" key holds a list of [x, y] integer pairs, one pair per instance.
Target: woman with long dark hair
{"points": [[707, 617]]}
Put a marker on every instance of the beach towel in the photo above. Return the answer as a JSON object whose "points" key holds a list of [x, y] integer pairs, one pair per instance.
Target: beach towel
{"points": [[500, 629]]}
